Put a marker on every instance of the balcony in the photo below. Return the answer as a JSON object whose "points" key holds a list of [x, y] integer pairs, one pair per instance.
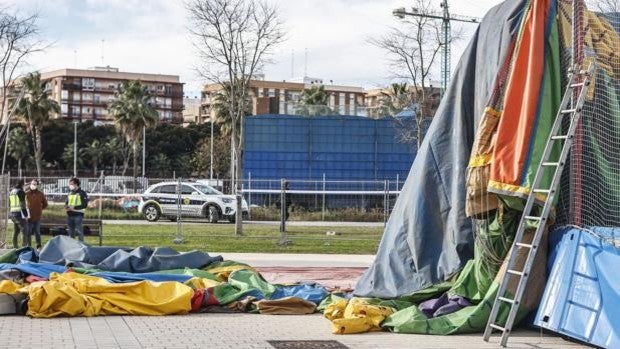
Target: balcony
{"points": [[71, 86]]}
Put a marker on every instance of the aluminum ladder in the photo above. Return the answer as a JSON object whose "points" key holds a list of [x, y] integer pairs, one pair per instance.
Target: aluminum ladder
{"points": [[576, 91]]}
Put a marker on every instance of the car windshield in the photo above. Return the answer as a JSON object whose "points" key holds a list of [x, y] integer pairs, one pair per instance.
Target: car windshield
{"points": [[205, 189]]}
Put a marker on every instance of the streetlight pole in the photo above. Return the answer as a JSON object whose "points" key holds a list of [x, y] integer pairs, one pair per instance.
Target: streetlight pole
{"points": [[143, 151], [211, 165], [75, 148]]}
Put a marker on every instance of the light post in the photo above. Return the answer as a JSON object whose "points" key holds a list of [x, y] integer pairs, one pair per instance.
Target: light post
{"points": [[75, 123], [143, 151], [211, 165]]}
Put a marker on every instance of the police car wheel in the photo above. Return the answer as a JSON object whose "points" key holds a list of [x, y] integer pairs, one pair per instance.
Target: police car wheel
{"points": [[213, 215], [151, 213]]}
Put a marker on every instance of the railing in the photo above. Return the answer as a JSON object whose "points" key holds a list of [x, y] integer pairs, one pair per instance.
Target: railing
{"points": [[312, 200]]}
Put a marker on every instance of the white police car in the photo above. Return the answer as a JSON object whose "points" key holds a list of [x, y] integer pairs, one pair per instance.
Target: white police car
{"points": [[197, 201]]}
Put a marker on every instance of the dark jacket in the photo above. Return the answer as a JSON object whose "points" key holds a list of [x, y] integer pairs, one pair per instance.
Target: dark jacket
{"points": [[78, 209], [36, 204]]}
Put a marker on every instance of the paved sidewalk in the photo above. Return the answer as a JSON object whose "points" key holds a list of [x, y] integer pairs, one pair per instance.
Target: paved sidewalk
{"points": [[227, 331], [299, 259]]}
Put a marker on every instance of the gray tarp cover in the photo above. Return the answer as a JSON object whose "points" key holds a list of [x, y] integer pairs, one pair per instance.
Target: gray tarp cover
{"points": [[428, 238], [63, 250]]}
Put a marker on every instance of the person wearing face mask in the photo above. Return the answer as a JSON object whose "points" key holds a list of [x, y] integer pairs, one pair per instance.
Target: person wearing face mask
{"points": [[19, 213], [76, 203], [36, 204]]}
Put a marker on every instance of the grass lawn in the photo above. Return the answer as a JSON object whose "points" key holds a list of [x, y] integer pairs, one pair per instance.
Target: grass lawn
{"points": [[257, 238]]}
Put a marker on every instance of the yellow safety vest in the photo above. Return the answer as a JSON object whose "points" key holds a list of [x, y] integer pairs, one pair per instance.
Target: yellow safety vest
{"points": [[14, 203], [74, 200]]}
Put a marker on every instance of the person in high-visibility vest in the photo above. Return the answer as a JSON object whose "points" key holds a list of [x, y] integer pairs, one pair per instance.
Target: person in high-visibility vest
{"points": [[76, 203], [19, 213]]}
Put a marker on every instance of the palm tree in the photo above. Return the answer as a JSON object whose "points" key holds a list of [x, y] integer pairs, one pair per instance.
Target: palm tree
{"points": [[221, 106], [19, 146], [160, 165], [67, 157], [396, 99], [35, 107], [94, 152], [314, 101], [114, 150], [133, 112]]}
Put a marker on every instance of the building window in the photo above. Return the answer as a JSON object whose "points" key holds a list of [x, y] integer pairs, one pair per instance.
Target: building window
{"points": [[64, 94], [64, 108], [88, 83], [75, 110], [87, 96]]}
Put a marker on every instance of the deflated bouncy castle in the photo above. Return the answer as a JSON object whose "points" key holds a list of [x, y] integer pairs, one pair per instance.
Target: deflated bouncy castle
{"points": [[444, 250]]}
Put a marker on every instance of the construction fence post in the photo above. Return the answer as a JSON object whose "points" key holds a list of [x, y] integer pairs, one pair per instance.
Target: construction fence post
{"points": [[386, 190], [250, 195], [178, 239], [283, 211], [323, 205]]}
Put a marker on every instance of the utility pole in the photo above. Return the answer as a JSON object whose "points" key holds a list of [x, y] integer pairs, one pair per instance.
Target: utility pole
{"points": [[446, 34]]}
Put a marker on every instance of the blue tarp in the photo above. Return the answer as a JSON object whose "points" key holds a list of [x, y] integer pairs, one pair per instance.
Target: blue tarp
{"points": [[582, 296], [311, 293], [428, 237], [62, 250], [45, 269]]}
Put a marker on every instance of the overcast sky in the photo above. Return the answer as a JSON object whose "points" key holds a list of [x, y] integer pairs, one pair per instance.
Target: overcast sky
{"points": [[151, 36]]}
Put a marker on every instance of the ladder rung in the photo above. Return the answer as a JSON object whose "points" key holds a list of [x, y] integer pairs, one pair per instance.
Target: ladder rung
{"points": [[497, 327], [522, 244], [568, 111], [551, 164], [542, 191], [515, 272], [507, 300], [559, 137], [577, 84], [533, 218]]}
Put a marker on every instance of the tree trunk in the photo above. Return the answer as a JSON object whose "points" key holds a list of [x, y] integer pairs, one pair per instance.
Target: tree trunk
{"points": [[135, 163], [113, 166], [95, 168], [37, 149], [239, 181], [19, 167], [419, 135]]}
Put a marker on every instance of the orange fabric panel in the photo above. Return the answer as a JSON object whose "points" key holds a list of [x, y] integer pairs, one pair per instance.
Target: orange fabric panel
{"points": [[522, 97]]}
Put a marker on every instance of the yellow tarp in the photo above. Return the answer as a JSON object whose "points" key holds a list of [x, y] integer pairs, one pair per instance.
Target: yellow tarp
{"points": [[7, 286], [356, 316], [73, 294]]}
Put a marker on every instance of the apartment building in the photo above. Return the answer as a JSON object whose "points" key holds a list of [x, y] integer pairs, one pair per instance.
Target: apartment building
{"points": [[85, 94], [283, 97]]}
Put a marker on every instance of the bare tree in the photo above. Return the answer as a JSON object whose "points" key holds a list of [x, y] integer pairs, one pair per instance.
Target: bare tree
{"points": [[18, 39], [234, 39], [412, 50]]}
